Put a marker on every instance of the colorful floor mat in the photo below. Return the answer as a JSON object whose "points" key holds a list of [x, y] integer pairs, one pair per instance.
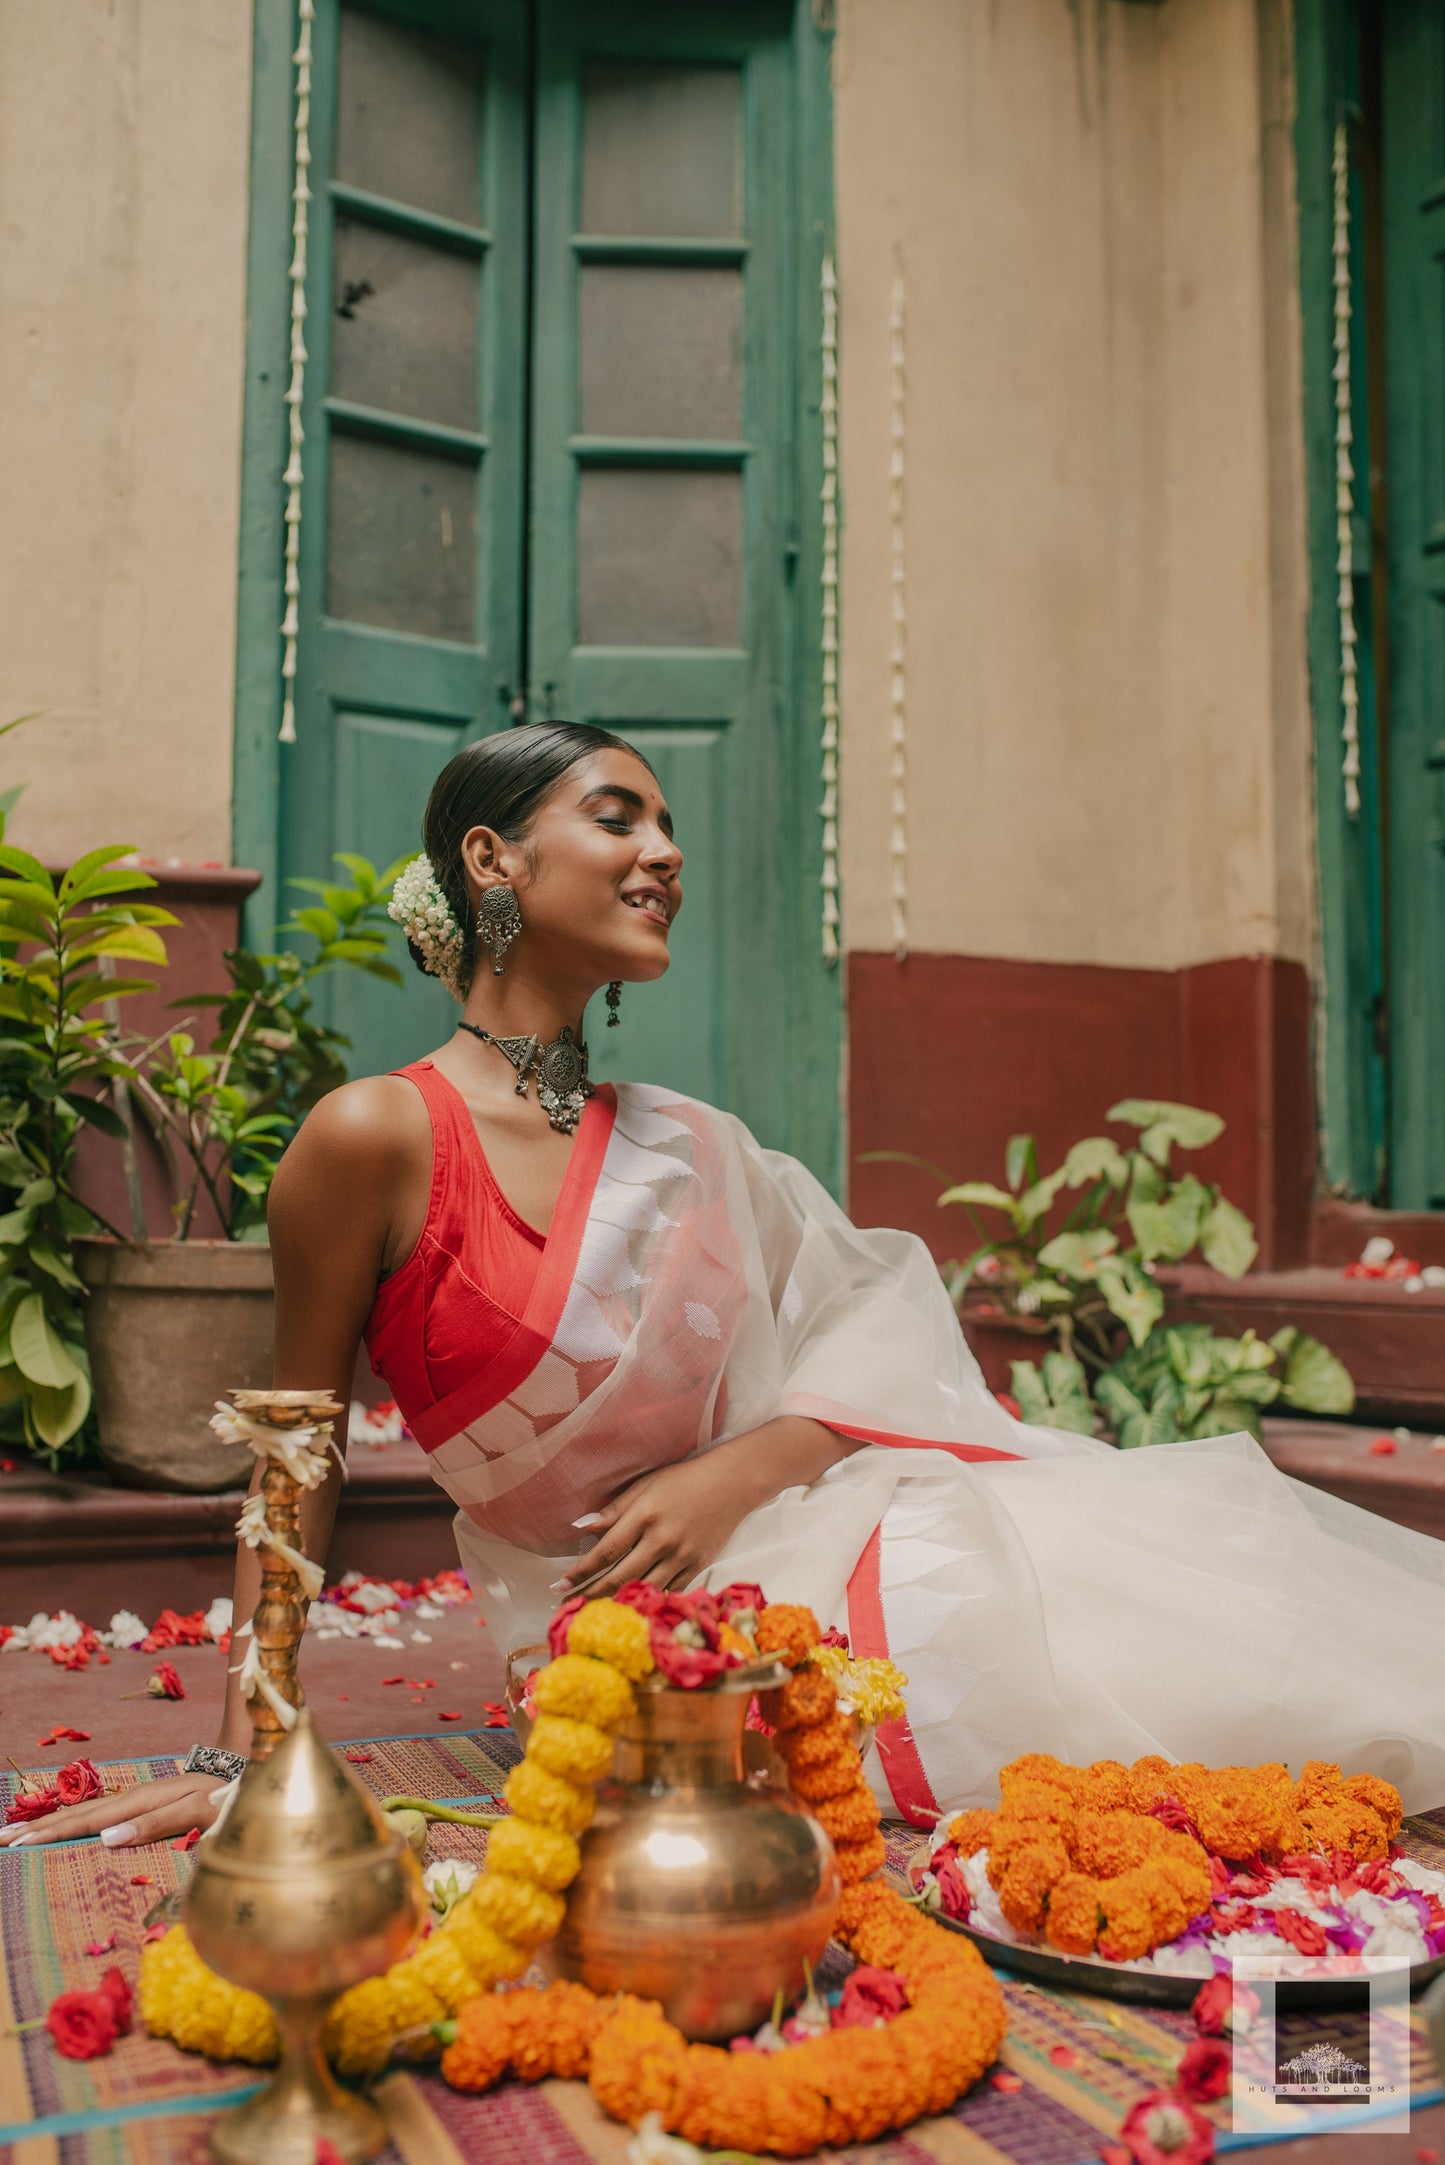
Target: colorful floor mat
{"points": [[1071, 2067]]}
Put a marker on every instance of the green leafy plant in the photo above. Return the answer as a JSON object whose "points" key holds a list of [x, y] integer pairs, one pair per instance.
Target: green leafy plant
{"points": [[60, 940], [223, 1116], [1091, 1285]]}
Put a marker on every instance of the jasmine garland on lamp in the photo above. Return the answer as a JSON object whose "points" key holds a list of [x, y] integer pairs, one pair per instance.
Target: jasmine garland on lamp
{"points": [[635, 1344]]}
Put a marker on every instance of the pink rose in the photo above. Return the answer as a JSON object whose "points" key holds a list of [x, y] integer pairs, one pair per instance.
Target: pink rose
{"points": [[1164, 2129], [953, 1895], [557, 1629], [741, 1596]]}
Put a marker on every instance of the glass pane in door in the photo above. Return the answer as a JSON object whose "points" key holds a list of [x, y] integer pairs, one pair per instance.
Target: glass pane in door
{"points": [[661, 148], [409, 116], [660, 350]]}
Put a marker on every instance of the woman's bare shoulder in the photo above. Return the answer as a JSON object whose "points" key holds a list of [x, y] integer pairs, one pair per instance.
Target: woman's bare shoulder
{"points": [[375, 1127]]}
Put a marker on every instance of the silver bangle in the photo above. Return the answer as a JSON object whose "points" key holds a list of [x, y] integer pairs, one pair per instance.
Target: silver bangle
{"points": [[210, 1759]]}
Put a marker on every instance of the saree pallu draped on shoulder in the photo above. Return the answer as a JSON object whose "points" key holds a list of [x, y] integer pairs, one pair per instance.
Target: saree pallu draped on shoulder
{"points": [[1036, 1586]]}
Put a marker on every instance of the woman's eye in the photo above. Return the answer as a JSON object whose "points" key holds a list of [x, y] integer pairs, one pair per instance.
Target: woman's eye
{"points": [[621, 825]]}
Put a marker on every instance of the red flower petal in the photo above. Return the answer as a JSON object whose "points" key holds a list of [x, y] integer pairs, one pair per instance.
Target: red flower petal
{"points": [[360, 1759], [102, 1946], [1001, 2079], [1063, 2056], [1383, 1447], [142, 1879], [393, 1680], [449, 1717], [188, 1841]]}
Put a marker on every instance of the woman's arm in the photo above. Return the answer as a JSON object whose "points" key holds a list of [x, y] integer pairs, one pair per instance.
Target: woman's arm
{"points": [[346, 1205], [668, 1526]]}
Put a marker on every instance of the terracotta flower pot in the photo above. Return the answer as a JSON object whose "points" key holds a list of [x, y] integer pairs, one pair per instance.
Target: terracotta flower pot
{"points": [[170, 1326]]}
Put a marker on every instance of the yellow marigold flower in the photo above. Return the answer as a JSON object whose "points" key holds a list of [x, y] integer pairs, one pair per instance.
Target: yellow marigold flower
{"points": [[494, 1959], [575, 1751], [543, 1855], [360, 2028], [615, 1634], [441, 1964], [183, 2000], [548, 1801], [584, 1690], [517, 1909], [872, 1686]]}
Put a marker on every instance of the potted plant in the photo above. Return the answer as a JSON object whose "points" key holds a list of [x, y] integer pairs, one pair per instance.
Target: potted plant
{"points": [[1091, 1289], [162, 1325]]}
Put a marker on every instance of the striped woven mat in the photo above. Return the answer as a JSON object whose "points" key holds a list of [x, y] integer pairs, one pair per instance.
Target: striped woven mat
{"points": [[1072, 2065]]}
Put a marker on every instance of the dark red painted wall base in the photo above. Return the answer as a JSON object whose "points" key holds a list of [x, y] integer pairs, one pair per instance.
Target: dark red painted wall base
{"points": [[949, 1055]]}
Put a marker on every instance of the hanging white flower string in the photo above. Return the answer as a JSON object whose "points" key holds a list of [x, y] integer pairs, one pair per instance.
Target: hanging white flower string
{"points": [[253, 1533], [898, 692], [1345, 475], [305, 1452], [291, 479], [829, 806]]}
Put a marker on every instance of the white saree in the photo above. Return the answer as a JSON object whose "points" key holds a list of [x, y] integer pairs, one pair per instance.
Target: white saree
{"points": [[1042, 1591]]}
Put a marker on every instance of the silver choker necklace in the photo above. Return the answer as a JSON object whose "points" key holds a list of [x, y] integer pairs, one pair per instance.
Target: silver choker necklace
{"points": [[560, 1069]]}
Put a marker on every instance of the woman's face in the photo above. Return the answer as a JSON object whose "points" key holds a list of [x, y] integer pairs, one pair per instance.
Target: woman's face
{"points": [[597, 877]]}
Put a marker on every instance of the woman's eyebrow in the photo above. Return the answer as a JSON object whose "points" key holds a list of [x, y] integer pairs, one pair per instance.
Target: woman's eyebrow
{"points": [[632, 797]]}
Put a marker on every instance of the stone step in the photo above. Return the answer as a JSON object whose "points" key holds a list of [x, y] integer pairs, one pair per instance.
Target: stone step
{"points": [[114, 1547]]}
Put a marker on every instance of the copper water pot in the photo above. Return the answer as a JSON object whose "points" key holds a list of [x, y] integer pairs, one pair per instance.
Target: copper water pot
{"points": [[700, 1887]]}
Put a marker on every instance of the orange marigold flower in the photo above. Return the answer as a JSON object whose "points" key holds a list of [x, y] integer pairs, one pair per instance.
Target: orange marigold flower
{"points": [[1382, 1797], [483, 2044], [812, 1747], [789, 1631], [1024, 1887], [797, 2111], [637, 2061], [972, 1830], [850, 1818], [1150, 1779], [859, 1860], [1346, 1823], [806, 1699], [553, 2029], [1030, 1799], [1107, 1843], [1040, 1767], [834, 1777], [1073, 1916], [1320, 1781], [1105, 1786]]}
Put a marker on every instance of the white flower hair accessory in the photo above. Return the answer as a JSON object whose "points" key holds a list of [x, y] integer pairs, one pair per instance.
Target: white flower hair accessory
{"points": [[419, 905]]}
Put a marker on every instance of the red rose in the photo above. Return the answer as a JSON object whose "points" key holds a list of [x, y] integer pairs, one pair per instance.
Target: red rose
{"points": [[31, 1804], [556, 1630], [641, 1595], [870, 1996], [164, 1682], [1163, 2129], [1301, 1932], [688, 1667], [83, 2024], [1234, 1917], [1203, 2073], [953, 1895], [117, 1991], [742, 1595], [77, 1782], [1219, 2007], [1171, 1813], [834, 1637]]}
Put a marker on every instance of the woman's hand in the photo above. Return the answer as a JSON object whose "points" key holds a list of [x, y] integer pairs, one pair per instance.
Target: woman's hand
{"points": [[152, 1812], [670, 1525]]}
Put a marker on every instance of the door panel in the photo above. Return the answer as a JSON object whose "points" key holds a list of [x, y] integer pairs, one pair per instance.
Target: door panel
{"points": [[663, 495], [1414, 139], [411, 557]]}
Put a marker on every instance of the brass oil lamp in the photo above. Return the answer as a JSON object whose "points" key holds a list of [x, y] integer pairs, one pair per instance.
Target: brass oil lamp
{"points": [[302, 1889], [700, 1887]]}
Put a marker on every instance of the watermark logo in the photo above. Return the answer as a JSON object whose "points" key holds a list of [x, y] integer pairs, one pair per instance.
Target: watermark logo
{"points": [[1326, 2049]]}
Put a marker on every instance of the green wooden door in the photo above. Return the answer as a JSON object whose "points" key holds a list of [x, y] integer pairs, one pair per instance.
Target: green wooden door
{"points": [[411, 540], [563, 457], [1413, 132]]}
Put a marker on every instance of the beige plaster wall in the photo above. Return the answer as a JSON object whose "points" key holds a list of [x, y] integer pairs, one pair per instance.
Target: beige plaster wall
{"points": [[124, 140], [1090, 207]]}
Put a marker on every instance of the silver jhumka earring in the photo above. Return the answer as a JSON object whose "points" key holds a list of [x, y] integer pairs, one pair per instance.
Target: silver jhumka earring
{"points": [[614, 1002], [498, 923]]}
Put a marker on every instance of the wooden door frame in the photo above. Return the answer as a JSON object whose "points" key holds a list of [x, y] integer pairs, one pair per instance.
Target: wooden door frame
{"points": [[814, 1082]]}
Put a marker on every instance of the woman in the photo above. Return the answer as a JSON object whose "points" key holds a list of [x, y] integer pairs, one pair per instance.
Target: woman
{"points": [[636, 1345]]}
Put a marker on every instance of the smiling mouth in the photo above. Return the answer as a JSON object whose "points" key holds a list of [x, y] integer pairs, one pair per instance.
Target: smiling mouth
{"points": [[650, 906]]}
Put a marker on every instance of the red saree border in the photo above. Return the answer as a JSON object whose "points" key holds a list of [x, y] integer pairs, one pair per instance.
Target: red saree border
{"points": [[969, 1453], [868, 1639], [514, 1362]]}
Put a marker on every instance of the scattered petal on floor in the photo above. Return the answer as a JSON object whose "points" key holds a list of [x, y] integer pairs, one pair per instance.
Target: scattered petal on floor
{"points": [[393, 1680], [1063, 2056], [102, 1946], [359, 1759], [1001, 2079], [449, 1717], [142, 1879], [188, 1841], [497, 1716]]}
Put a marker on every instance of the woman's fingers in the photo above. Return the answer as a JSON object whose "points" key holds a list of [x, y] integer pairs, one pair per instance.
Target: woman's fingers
{"points": [[185, 1797]]}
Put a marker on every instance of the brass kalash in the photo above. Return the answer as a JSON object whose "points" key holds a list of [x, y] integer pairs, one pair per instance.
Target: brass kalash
{"points": [[302, 1889]]}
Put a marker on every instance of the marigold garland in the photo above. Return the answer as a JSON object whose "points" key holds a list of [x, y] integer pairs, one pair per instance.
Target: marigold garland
{"points": [[845, 2087], [489, 1936], [1115, 1859]]}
